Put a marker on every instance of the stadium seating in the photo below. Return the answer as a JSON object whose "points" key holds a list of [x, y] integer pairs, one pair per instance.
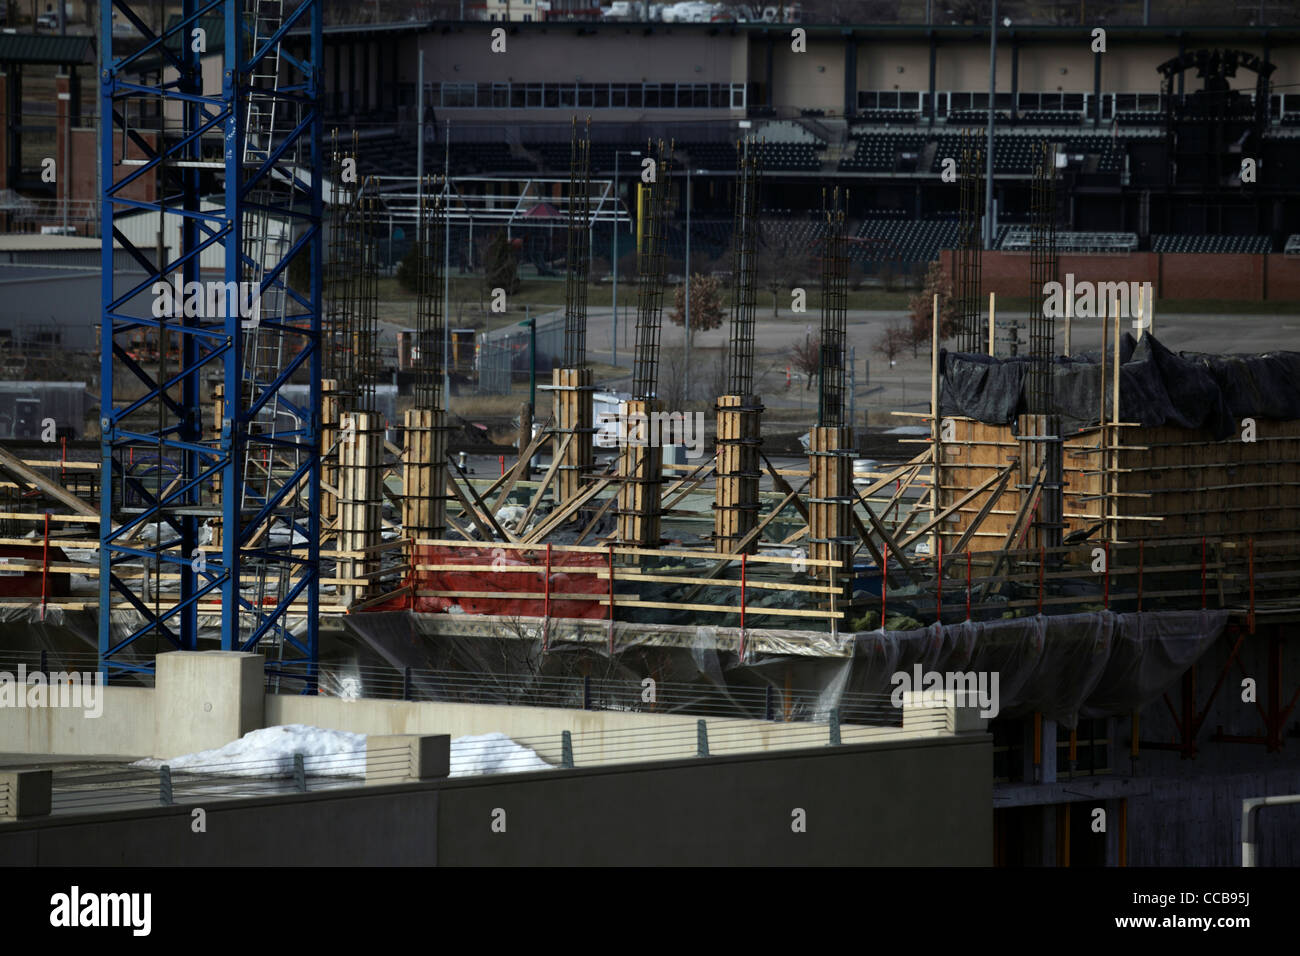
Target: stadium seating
{"points": [[790, 156], [903, 240], [880, 151], [1211, 243]]}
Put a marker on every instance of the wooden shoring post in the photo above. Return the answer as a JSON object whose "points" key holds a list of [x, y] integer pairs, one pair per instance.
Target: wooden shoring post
{"points": [[640, 470], [938, 518], [693, 480], [978, 520], [526, 441], [736, 473], [546, 483], [595, 519], [424, 468], [507, 482], [483, 520], [571, 438], [887, 540], [992, 324], [560, 515]]}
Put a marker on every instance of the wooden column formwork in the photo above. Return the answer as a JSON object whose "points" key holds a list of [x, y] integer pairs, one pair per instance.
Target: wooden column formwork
{"points": [[329, 464], [737, 473], [572, 413], [830, 497], [424, 474], [1039, 438], [360, 475], [640, 472]]}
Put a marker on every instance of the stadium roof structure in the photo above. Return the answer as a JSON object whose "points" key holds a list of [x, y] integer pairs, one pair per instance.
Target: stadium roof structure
{"points": [[36, 49]]}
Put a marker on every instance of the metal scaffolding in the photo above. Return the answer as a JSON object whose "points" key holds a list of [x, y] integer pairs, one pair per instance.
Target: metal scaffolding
{"points": [[255, 471]]}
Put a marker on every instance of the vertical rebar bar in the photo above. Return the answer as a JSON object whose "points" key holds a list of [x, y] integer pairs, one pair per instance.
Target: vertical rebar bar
{"points": [[578, 249], [650, 277], [740, 356], [1042, 270], [835, 290]]}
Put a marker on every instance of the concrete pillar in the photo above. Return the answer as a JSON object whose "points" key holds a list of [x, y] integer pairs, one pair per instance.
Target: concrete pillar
{"points": [[424, 474], [361, 448], [640, 471], [571, 393], [25, 793], [830, 498], [206, 699], [735, 488], [402, 758]]}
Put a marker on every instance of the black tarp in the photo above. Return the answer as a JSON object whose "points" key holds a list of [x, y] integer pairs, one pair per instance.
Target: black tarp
{"points": [[1157, 387]]}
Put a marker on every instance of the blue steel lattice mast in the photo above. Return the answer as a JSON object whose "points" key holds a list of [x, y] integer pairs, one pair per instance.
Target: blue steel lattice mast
{"points": [[246, 466]]}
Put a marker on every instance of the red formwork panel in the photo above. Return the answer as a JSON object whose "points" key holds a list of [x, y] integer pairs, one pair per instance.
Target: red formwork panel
{"points": [[17, 582], [520, 577]]}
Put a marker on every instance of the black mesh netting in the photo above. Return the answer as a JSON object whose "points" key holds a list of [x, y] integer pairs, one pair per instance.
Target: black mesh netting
{"points": [[1157, 387]]}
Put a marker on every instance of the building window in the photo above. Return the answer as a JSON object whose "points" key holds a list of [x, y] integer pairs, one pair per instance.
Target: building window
{"points": [[528, 18]]}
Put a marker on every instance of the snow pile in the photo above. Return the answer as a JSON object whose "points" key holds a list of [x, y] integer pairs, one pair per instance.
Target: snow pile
{"points": [[269, 752], [492, 753]]}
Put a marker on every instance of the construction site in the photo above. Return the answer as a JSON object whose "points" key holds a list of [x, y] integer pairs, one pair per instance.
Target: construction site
{"points": [[1104, 526]]}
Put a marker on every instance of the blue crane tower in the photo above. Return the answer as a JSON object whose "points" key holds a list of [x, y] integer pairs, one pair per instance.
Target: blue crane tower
{"points": [[211, 360]]}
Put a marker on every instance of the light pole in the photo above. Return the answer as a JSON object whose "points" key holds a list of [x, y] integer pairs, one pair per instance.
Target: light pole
{"points": [[613, 244]]}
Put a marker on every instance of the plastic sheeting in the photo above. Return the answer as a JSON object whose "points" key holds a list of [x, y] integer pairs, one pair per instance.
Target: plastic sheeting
{"points": [[1157, 387], [1067, 666]]}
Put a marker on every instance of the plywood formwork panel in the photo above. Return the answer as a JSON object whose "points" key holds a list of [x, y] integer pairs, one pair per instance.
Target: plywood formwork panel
{"points": [[975, 454], [1198, 485]]}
